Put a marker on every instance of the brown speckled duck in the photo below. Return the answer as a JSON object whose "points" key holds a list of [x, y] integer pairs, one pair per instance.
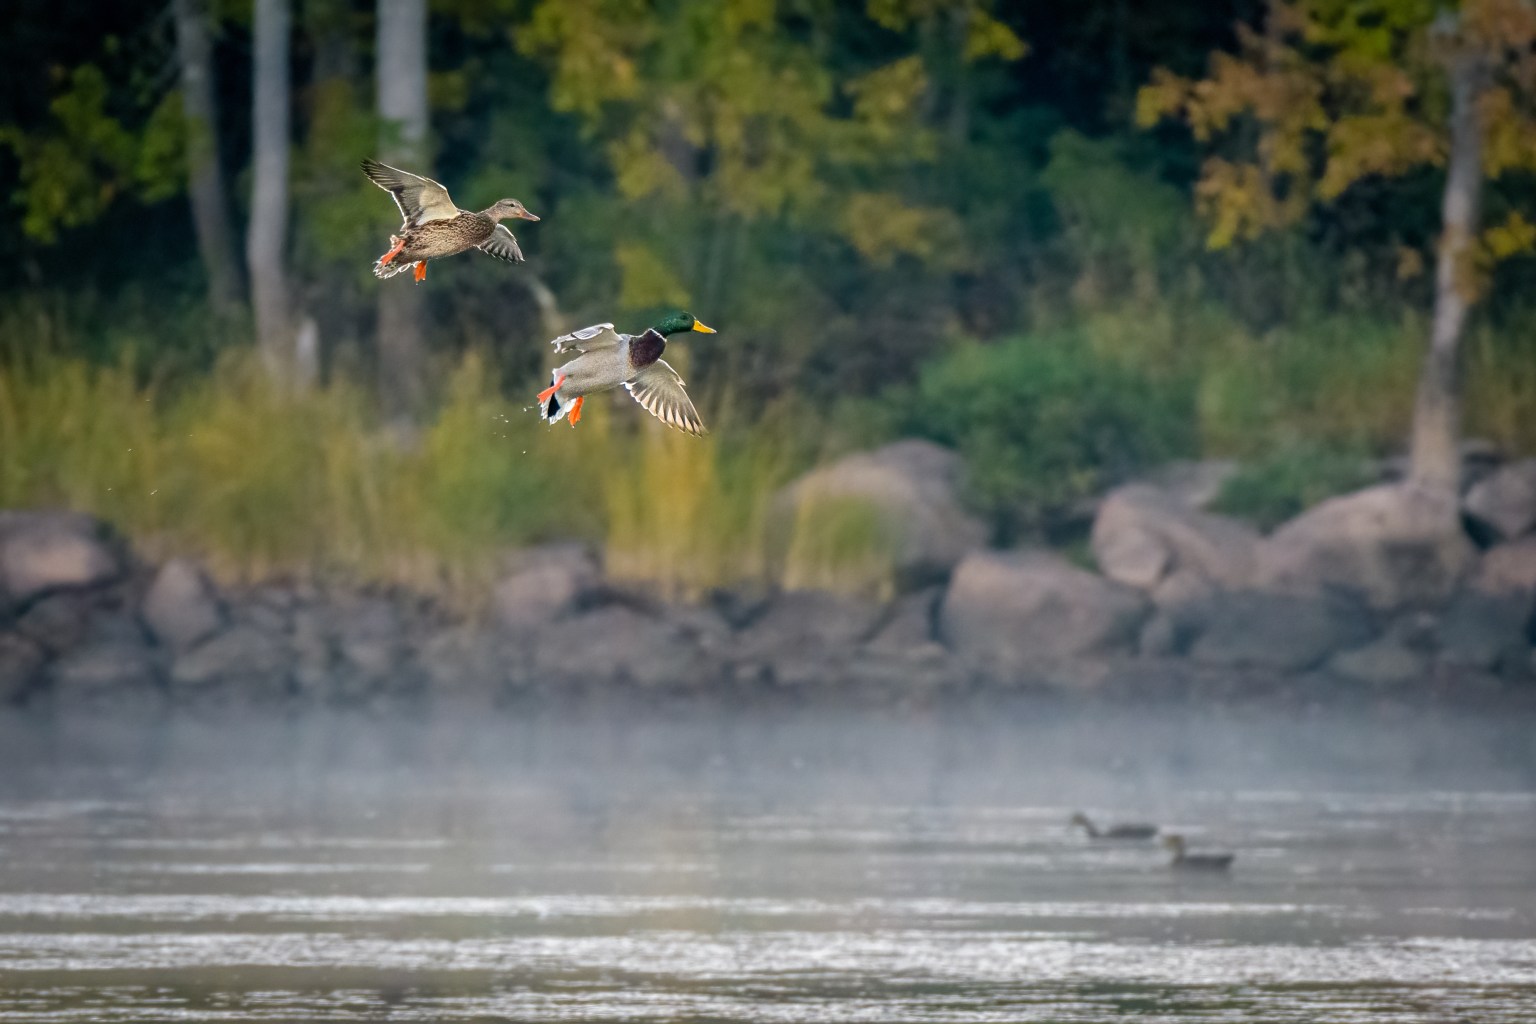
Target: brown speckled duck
{"points": [[1195, 861], [434, 226]]}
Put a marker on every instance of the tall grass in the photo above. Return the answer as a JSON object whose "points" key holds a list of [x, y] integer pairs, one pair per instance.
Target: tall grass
{"points": [[688, 514], [259, 482], [1500, 396], [844, 545]]}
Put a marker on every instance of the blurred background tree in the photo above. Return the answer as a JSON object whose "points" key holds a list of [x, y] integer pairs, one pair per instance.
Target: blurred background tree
{"points": [[1330, 96]]}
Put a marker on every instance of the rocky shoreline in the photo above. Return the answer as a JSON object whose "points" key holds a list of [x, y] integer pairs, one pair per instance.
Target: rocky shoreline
{"points": [[1377, 594]]}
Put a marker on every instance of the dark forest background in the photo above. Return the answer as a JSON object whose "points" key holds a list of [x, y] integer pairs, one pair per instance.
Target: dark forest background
{"points": [[994, 225]]}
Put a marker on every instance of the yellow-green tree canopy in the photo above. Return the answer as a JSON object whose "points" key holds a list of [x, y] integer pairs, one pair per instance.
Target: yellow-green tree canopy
{"points": [[718, 105], [1329, 93]]}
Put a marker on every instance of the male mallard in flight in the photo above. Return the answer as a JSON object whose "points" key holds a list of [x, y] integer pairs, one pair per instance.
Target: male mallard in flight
{"points": [[608, 360], [1195, 861], [1135, 830], [434, 226]]}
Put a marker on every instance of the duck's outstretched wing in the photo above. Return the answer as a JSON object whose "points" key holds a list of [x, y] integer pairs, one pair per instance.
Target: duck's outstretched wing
{"points": [[587, 339], [420, 199], [502, 245], [662, 393]]}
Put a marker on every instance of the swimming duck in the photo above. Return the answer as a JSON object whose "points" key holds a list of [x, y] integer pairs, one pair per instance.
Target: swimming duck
{"points": [[434, 226], [1195, 861], [1135, 830], [608, 360]]}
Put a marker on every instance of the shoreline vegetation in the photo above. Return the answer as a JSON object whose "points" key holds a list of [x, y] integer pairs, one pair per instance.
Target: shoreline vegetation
{"points": [[292, 553], [258, 483]]}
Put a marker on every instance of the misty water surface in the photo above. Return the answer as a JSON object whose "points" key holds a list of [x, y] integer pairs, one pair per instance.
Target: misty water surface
{"points": [[767, 866]]}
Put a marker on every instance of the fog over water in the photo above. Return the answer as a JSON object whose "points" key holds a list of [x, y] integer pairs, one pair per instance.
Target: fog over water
{"points": [[800, 865]]}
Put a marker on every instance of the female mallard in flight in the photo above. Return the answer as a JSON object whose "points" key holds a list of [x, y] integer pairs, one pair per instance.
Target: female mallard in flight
{"points": [[608, 360], [1195, 861], [1135, 830], [434, 226]]}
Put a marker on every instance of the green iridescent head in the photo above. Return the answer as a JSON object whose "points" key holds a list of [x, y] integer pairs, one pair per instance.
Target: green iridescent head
{"points": [[677, 323]]}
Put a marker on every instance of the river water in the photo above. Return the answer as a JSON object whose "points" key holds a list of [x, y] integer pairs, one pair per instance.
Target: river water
{"points": [[768, 866]]}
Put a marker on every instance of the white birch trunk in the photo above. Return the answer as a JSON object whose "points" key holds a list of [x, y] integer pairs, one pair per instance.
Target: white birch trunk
{"points": [[205, 179], [1434, 451], [401, 82], [267, 235]]}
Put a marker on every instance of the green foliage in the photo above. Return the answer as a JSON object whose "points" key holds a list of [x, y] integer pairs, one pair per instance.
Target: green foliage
{"points": [[73, 171], [1045, 420], [1278, 486], [1500, 389], [1123, 230], [1339, 380]]}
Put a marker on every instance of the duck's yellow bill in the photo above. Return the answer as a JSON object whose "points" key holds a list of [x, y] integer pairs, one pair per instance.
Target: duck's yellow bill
{"points": [[702, 329]]}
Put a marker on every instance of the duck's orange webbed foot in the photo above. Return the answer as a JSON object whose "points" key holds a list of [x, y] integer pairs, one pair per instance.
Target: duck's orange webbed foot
{"points": [[399, 244], [544, 395], [421, 271], [576, 409]]}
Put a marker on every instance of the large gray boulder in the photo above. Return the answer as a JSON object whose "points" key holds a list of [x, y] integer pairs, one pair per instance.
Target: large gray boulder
{"points": [[543, 584], [45, 551], [805, 638], [908, 487], [243, 658], [464, 662], [911, 627], [181, 607], [1174, 624], [1507, 568], [1278, 631], [1194, 484], [1014, 609], [1143, 534], [617, 643], [1486, 631], [60, 621], [1386, 661], [1504, 502], [372, 645], [21, 663], [1393, 545], [809, 622], [104, 670]]}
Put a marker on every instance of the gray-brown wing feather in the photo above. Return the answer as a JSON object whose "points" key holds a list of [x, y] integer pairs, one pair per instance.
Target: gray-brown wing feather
{"points": [[587, 339], [502, 245], [420, 199], [662, 393]]}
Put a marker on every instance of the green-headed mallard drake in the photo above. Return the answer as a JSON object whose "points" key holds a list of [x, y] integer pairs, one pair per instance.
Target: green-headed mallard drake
{"points": [[609, 360], [434, 226], [1133, 830], [1195, 861]]}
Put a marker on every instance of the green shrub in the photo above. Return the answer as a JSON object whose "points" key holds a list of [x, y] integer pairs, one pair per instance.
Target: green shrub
{"points": [[1342, 382], [1046, 419], [1277, 487]]}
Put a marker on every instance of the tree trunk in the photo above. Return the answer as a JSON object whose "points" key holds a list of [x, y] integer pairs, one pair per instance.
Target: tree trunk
{"points": [[401, 77], [266, 237], [205, 179], [1434, 453]]}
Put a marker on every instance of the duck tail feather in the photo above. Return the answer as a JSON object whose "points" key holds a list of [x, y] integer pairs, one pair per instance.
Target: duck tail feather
{"points": [[552, 410], [382, 270]]}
